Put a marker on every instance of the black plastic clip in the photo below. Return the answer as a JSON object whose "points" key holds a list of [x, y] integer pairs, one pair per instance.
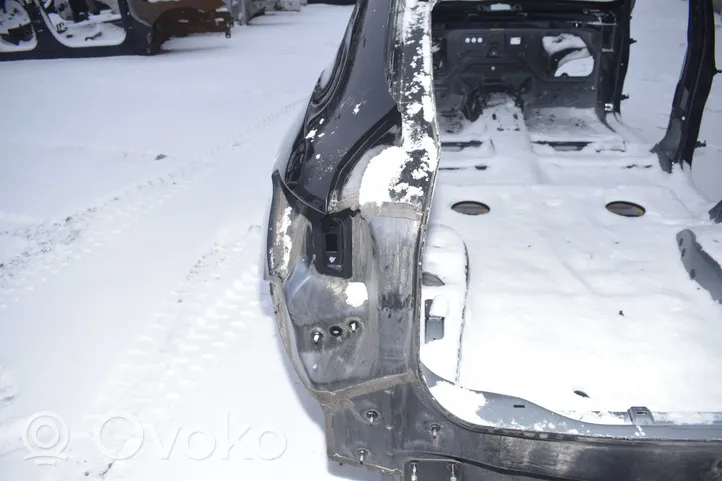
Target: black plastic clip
{"points": [[715, 213]]}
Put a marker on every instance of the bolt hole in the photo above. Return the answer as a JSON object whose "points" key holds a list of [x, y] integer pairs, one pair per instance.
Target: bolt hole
{"points": [[693, 273], [684, 252], [470, 207], [335, 331], [362, 454], [372, 415], [354, 325], [431, 280], [626, 209], [581, 393], [316, 336], [681, 241]]}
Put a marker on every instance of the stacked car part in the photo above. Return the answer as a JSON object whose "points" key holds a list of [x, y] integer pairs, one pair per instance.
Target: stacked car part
{"points": [[92, 28]]}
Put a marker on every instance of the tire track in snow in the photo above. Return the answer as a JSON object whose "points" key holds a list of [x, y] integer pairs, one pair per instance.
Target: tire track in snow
{"points": [[64, 241], [202, 320], [20, 219], [61, 242], [8, 387]]}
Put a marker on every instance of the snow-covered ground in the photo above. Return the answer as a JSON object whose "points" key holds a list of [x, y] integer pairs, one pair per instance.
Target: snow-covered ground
{"points": [[132, 192], [131, 195]]}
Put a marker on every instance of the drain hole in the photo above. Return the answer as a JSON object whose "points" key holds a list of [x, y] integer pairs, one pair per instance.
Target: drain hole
{"points": [[470, 207], [581, 393], [626, 209], [431, 280], [335, 331]]}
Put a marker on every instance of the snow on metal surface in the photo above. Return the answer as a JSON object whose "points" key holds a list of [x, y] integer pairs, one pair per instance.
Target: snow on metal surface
{"points": [[283, 228], [100, 31], [710, 238], [444, 257], [561, 42], [13, 16], [461, 402], [682, 418], [576, 65], [382, 179], [356, 294], [572, 297], [382, 175]]}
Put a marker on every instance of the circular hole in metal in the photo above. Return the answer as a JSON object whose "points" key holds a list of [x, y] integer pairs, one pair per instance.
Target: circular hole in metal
{"points": [[626, 209], [471, 207], [431, 280], [335, 331], [372, 415], [581, 393], [354, 324], [362, 454]]}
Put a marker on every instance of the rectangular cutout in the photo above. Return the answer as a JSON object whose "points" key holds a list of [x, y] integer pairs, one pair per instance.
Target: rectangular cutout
{"points": [[331, 242]]}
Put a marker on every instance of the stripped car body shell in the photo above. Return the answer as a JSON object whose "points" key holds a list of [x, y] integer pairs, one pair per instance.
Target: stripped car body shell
{"points": [[368, 182]]}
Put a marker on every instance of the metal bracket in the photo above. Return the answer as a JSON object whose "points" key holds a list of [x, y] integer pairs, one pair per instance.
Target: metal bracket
{"points": [[702, 268], [715, 213], [434, 321], [434, 324], [640, 415], [432, 470]]}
